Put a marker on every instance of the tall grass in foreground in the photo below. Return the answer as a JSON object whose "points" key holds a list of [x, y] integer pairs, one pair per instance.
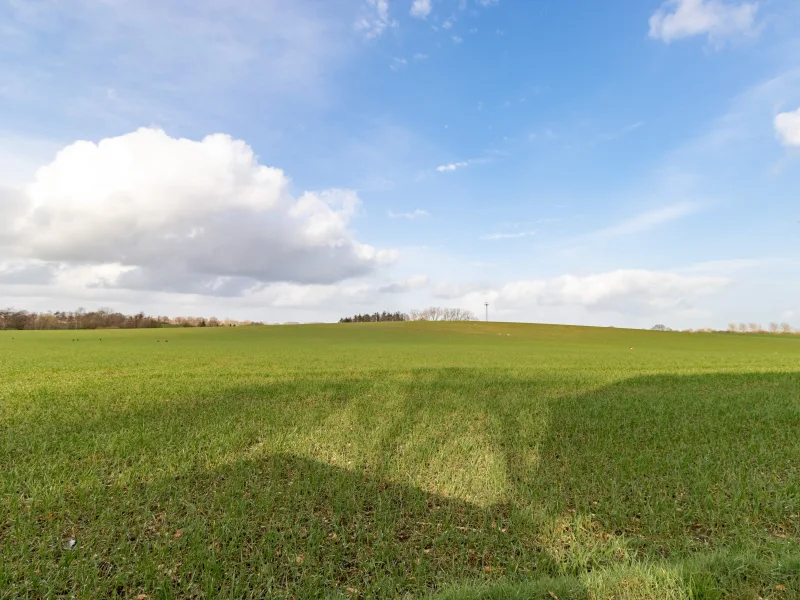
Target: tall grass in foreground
{"points": [[399, 460]]}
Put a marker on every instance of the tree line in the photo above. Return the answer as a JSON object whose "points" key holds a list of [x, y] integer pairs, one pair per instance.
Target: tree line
{"points": [[103, 318], [757, 328], [437, 313], [375, 317], [434, 313]]}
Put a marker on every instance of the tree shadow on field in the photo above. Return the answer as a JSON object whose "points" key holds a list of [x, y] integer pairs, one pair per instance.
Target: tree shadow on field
{"points": [[279, 526], [684, 462], [599, 487], [699, 474]]}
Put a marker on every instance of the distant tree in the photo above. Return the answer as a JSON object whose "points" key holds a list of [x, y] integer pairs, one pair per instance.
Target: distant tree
{"points": [[660, 328], [83, 319], [786, 328], [755, 327], [436, 313], [773, 328], [79, 317], [742, 327], [732, 327], [19, 320], [375, 317]]}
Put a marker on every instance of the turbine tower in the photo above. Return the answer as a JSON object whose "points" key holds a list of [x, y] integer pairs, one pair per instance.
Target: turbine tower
{"points": [[486, 304]]}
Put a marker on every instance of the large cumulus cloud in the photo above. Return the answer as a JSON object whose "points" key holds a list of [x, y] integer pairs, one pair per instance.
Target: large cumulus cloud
{"points": [[183, 215]]}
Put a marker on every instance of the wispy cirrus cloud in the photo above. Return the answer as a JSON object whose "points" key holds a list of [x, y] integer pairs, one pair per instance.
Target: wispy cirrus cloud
{"points": [[622, 131], [508, 236], [414, 214], [461, 164], [398, 63], [649, 220]]}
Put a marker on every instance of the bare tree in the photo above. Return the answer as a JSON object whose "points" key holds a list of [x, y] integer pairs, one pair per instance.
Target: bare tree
{"points": [[755, 328], [79, 314], [773, 328], [786, 328], [436, 313], [742, 327]]}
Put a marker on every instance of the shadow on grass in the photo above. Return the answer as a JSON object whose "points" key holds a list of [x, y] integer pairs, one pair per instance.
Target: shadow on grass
{"points": [[277, 526], [654, 487], [674, 463], [661, 487]]}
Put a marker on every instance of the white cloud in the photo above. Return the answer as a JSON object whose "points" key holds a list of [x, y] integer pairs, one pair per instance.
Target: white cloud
{"points": [[447, 24], [376, 19], [677, 19], [412, 284], [452, 166], [183, 215], [414, 214], [398, 63], [457, 39], [623, 291], [420, 56], [488, 2], [649, 220], [421, 9], [507, 236], [787, 126], [461, 164]]}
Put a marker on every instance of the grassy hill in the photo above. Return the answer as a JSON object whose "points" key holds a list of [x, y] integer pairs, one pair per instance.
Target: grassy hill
{"points": [[388, 460]]}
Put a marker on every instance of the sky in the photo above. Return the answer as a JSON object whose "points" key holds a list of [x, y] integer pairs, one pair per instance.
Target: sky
{"points": [[623, 163]]}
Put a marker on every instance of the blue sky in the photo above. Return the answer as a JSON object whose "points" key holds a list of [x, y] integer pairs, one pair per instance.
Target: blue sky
{"points": [[619, 163]]}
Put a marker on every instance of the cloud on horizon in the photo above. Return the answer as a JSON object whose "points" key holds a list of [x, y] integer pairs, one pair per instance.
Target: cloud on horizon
{"points": [[633, 291]]}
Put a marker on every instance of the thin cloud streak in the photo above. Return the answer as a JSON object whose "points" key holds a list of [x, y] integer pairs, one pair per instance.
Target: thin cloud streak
{"points": [[649, 220], [414, 214], [507, 236], [461, 164]]}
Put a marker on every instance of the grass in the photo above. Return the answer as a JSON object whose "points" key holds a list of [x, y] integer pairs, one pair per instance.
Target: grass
{"points": [[404, 460]]}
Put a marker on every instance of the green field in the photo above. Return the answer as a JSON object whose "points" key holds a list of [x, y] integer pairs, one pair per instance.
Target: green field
{"points": [[399, 460]]}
